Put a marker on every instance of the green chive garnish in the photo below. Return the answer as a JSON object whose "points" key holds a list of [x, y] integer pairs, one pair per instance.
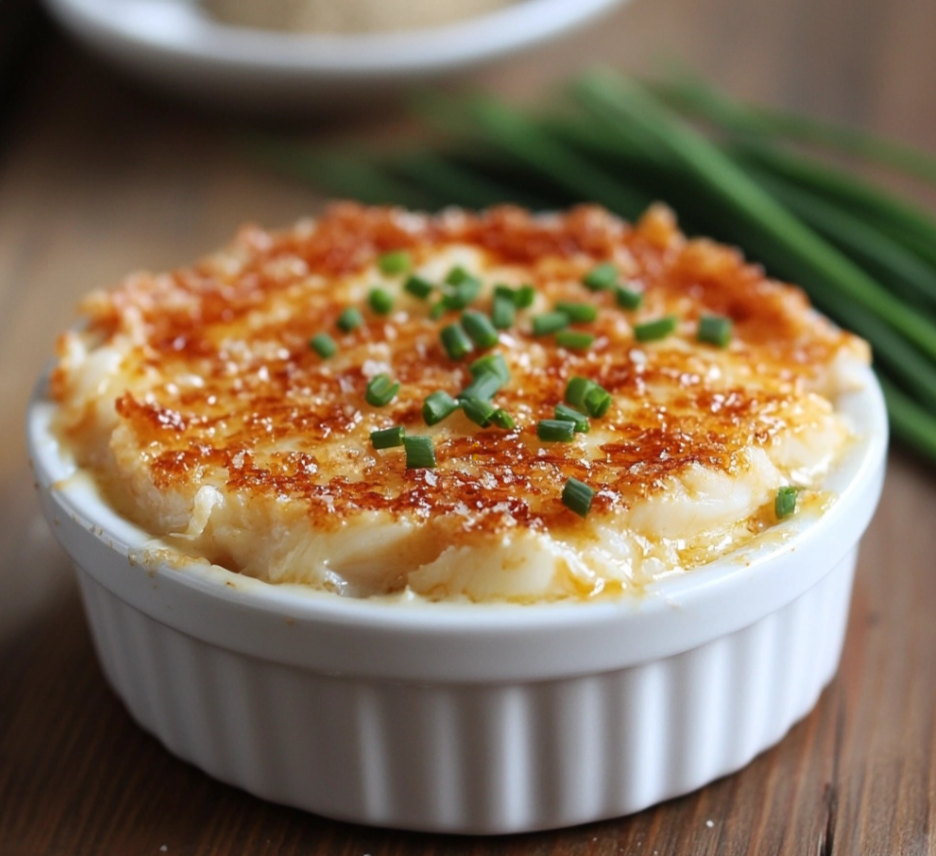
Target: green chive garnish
{"points": [[380, 300], [785, 503], [438, 406], [457, 275], [479, 328], [503, 312], [484, 385], [714, 329], [381, 390], [578, 312], [652, 331], [521, 297], [438, 310], [490, 363], [418, 287], [388, 438], [478, 410], [577, 496], [579, 420], [397, 261], [597, 401], [555, 430], [462, 294], [626, 298], [549, 322], [502, 419], [601, 277], [324, 345], [350, 319], [420, 453], [574, 340], [576, 390], [456, 342]]}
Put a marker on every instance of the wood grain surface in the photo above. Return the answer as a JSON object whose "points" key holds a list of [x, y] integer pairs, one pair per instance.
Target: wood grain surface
{"points": [[98, 177]]}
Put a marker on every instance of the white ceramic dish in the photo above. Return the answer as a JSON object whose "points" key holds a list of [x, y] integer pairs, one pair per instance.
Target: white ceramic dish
{"points": [[468, 718], [173, 44]]}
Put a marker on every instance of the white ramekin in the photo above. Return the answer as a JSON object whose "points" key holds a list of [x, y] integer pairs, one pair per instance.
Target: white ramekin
{"points": [[468, 718]]}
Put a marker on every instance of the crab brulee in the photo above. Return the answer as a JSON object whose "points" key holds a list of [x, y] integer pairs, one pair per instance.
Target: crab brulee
{"points": [[484, 407]]}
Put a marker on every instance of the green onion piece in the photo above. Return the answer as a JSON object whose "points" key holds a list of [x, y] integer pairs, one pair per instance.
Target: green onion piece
{"points": [[574, 340], [652, 331], [576, 390], [555, 430], [397, 261], [503, 312], [381, 390], [455, 341], [323, 345], [785, 503], [578, 312], [521, 297], [418, 287], [420, 453], [462, 294], [438, 406], [479, 328], [577, 496], [380, 300], [483, 386], [549, 322], [490, 363], [579, 420], [502, 419], [388, 438], [626, 298], [350, 319], [438, 310], [601, 277], [478, 410], [714, 329], [457, 275], [597, 401]]}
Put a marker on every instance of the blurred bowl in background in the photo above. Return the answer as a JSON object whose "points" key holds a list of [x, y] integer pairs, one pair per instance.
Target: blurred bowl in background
{"points": [[177, 46]]}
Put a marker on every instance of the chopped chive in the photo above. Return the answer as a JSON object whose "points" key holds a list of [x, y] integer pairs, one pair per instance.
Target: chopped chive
{"points": [[479, 328], [627, 298], [438, 406], [457, 275], [574, 340], [484, 385], [503, 312], [521, 297], [397, 261], [576, 390], [652, 331], [380, 300], [350, 319], [579, 420], [577, 496], [420, 453], [714, 329], [578, 312], [381, 390], [549, 322], [785, 502], [418, 287], [388, 438], [478, 410], [462, 294], [324, 345], [597, 401], [601, 277], [438, 310], [502, 419], [555, 430], [490, 363], [456, 342]]}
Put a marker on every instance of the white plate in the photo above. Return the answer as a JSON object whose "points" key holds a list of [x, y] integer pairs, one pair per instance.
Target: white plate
{"points": [[174, 44]]}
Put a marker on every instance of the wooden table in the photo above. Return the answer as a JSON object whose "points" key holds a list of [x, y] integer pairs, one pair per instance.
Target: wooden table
{"points": [[98, 178]]}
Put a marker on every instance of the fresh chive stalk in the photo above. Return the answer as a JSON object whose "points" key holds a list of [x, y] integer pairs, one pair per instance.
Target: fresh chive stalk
{"points": [[484, 385], [577, 389], [715, 330], [652, 331], [490, 363], [381, 390], [455, 341], [394, 262], [627, 298], [350, 319], [549, 322], [478, 410], [578, 312], [323, 345], [597, 401], [785, 502], [568, 414], [418, 287], [575, 340], [577, 496], [388, 438], [438, 406], [503, 312], [602, 277], [420, 453], [380, 301], [479, 328], [502, 419], [555, 430]]}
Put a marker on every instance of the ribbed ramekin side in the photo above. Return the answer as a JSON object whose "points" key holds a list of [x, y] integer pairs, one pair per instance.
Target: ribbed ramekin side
{"points": [[475, 758]]}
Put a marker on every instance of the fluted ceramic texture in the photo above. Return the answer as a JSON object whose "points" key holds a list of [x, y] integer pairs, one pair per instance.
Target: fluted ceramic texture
{"points": [[475, 757]]}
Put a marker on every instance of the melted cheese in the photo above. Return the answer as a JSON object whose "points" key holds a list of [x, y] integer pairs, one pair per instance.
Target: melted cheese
{"points": [[196, 400]]}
